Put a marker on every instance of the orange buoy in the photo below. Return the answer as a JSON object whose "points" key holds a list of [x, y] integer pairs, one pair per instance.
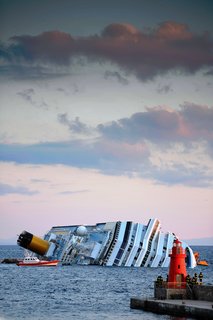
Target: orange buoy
{"points": [[177, 269]]}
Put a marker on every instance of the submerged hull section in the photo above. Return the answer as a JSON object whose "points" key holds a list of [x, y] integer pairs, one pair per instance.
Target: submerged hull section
{"points": [[126, 244]]}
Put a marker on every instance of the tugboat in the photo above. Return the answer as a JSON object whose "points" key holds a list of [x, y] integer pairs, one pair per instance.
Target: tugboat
{"points": [[35, 262]]}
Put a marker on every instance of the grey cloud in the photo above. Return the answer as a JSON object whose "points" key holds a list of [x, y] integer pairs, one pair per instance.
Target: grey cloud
{"points": [[117, 76], [209, 72], [61, 90], [39, 181], [8, 189], [109, 158], [75, 126], [178, 174], [158, 125], [192, 122], [164, 88], [27, 95], [73, 192], [30, 96], [73, 88], [199, 119], [33, 71], [152, 125]]}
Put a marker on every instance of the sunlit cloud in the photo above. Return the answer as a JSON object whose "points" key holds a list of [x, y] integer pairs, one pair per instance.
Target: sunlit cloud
{"points": [[168, 47], [160, 125]]}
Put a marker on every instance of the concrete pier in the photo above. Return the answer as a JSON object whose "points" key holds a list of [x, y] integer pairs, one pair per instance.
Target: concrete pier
{"points": [[179, 295], [193, 301], [191, 308]]}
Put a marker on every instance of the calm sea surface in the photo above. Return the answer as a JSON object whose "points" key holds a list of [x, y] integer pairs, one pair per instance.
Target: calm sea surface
{"points": [[80, 292]]}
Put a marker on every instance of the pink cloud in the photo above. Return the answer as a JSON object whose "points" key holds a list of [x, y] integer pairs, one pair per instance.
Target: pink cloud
{"points": [[120, 30], [170, 46], [172, 30]]}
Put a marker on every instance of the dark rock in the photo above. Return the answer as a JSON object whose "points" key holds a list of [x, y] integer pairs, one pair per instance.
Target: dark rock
{"points": [[10, 260]]}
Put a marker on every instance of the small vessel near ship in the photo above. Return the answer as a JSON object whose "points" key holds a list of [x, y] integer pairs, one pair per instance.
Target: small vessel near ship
{"points": [[203, 263], [36, 262]]}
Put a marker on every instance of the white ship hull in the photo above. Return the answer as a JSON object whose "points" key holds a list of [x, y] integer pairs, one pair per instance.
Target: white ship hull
{"points": [[124, 244]]}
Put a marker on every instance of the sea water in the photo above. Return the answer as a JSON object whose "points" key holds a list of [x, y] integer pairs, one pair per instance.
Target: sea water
{"points": [[80, 292]]}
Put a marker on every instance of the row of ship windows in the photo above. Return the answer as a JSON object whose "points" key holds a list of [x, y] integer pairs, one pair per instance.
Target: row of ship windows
{"points": [[131, 245]]}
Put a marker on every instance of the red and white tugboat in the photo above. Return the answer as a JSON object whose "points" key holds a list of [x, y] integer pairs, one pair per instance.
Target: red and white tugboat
{"points": [[35, 262]]}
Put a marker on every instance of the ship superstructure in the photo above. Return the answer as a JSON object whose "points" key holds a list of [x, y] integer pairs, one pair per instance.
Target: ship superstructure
{"points": [[126, 244]]}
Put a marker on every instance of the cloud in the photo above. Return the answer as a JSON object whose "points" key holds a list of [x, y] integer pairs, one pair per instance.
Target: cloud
{"points": [[209, 72], [173, 31], [117, 76], [116, 158], [8, 189], [77, 153], [104, 155], [121, 158], [164, 88], [170, 46], [159, 125], [198, 121], [21, 70], [53, 47], [120, 30], [165, 145], [75, 126], [180, 174], [73, 192], [40, 181], [29, 96]]}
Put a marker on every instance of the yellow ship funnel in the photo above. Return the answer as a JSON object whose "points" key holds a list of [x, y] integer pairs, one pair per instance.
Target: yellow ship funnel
{"points": [[35, 244]]}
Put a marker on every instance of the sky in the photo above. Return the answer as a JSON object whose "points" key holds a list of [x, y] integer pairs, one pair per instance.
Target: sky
{"points": [[106, 114]]}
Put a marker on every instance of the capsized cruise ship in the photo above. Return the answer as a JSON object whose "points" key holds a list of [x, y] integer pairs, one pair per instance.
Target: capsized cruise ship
{"points": [[125, 244]]}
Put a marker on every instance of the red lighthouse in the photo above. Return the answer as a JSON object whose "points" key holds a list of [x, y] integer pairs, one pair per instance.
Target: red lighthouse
{"points": [[177, 269]]}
